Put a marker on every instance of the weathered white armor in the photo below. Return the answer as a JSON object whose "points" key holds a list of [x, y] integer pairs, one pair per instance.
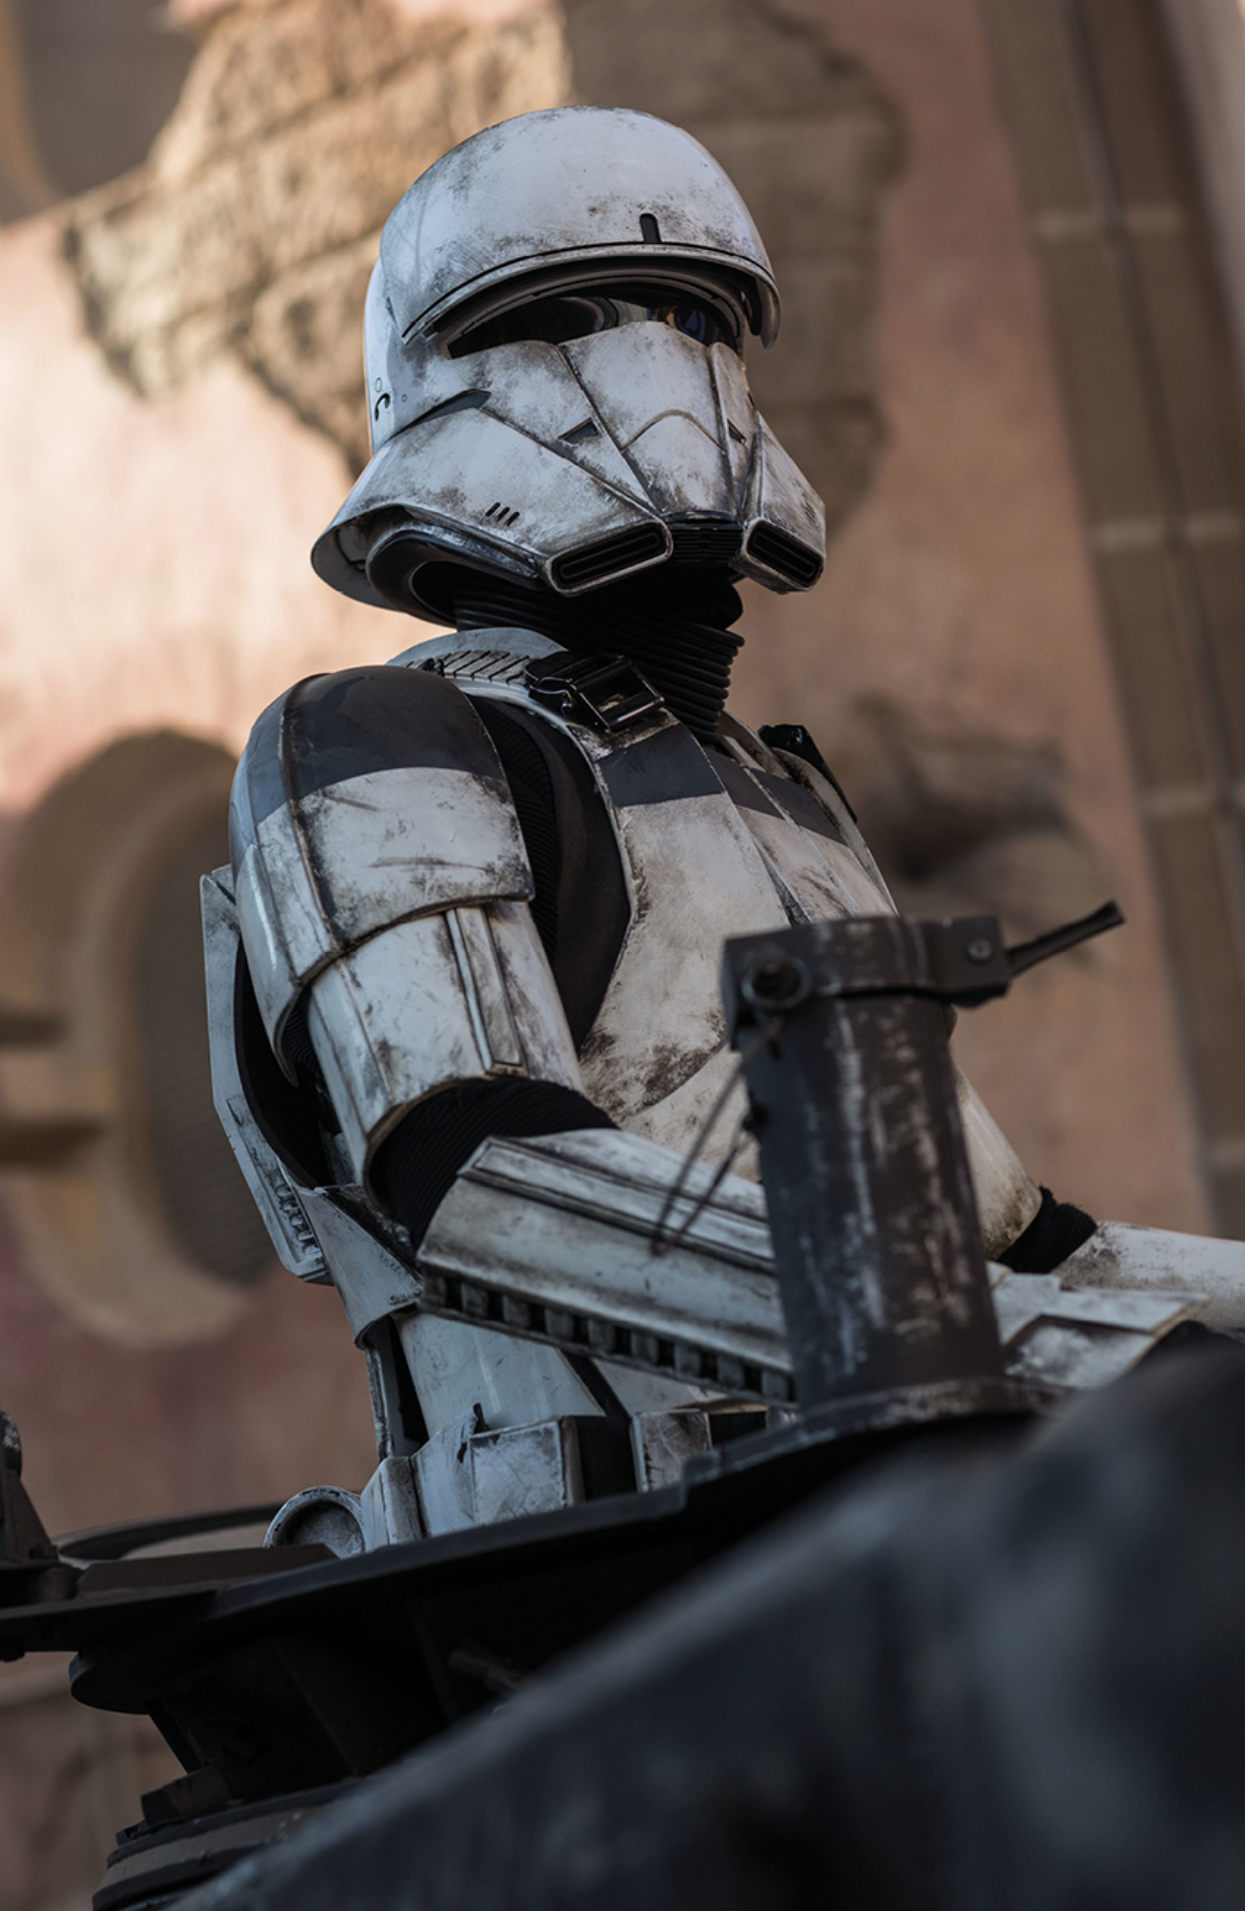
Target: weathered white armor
{"points": [[568, 1223], [365, 893], [594, 457], [382, 947], [711, 847]]}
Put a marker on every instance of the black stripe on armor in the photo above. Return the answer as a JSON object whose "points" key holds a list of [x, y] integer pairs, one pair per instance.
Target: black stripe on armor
{"points": [[330, 729], [801, 805], [581, 907], [665, 767], [741, 789], [258, 786]]}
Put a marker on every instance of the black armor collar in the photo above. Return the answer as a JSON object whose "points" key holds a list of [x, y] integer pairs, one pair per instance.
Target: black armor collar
{"points": [[673, 624]]}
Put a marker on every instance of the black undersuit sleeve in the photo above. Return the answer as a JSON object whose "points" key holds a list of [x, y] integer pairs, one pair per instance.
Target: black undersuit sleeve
{"points": [[417, 1165], [1056, 1230], [531, 787], [581, 907]]}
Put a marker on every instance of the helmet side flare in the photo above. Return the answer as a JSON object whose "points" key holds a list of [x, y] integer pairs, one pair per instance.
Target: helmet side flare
{"points": [[573, 454]]}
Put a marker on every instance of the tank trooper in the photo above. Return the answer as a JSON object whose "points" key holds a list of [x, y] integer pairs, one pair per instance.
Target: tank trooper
{"points": [[465, 968]]}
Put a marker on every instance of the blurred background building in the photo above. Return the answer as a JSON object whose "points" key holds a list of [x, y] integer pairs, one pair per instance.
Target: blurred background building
{"points": [[1010, 237]]}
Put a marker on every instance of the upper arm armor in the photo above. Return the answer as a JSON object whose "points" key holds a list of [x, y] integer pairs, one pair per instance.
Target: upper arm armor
{"points": [[363, 799], [382, 880]]}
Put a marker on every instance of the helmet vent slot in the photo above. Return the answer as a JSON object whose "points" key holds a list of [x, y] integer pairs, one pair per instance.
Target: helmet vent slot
{"points": [[785, 556], [501, 514], [650, 231], [609, 557], [462, 401], [704, 543]]}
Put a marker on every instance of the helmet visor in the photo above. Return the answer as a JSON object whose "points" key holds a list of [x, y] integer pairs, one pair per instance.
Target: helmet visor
{"points": [[578, 313]]}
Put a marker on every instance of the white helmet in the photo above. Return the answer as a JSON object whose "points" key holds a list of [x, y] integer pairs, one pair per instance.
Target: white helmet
{"points": [[553, 355]]}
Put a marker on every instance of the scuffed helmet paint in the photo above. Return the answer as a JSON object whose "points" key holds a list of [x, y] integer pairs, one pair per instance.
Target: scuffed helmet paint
{"points": [[569, 458]]}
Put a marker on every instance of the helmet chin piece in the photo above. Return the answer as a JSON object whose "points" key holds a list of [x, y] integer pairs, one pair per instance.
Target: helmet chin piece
{"points": [[784, 541], [572, 461]]}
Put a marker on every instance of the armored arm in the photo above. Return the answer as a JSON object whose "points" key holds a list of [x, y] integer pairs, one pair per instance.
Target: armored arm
{"points": [[383, 891], [383, 894]]}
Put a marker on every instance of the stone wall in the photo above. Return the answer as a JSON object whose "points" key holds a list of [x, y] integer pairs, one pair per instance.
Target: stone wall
{"points": [[254, 227], [953, 661], [69, 1779], [1208, 38]]}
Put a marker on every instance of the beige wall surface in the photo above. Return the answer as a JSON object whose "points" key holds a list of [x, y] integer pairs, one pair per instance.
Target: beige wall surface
{"points": [[953, 662], [153, 556], [1208, 39]]}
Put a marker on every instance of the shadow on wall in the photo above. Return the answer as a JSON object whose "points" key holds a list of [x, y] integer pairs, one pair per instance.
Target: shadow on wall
{"points": [[966, 822], [118, 1172], [85, 86]]}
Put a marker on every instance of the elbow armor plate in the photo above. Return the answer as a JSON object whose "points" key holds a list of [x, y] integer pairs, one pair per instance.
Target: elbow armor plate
{"points": [[382, 883]]}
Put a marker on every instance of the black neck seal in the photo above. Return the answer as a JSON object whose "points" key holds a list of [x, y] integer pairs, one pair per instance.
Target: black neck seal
{"points": [[673, 624]]}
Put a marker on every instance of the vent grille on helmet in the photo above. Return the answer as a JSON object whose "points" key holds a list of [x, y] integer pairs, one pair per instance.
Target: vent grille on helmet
{"points": [[706, 541], [609, 557], [779, 552]]}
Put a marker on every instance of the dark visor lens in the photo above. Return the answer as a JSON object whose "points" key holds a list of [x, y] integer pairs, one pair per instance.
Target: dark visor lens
{"points": [[567, 315]]}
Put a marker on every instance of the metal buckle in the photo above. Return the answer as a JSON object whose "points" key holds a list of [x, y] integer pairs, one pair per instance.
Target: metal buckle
{"points": [[608, 693]]}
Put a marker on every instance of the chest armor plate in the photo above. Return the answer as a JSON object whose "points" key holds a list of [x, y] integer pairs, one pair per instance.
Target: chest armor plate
{"points": [[712, 846]]}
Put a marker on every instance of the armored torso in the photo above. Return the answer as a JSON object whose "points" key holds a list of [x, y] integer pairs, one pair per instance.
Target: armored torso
{"points": [[712, 843], [494, 873]]}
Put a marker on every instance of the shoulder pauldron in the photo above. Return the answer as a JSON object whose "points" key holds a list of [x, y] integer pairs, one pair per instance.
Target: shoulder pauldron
{"points": [[363, 798]]}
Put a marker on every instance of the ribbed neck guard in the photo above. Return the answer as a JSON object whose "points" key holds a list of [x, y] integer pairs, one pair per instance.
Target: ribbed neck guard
{"points": [[674, 625]]}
